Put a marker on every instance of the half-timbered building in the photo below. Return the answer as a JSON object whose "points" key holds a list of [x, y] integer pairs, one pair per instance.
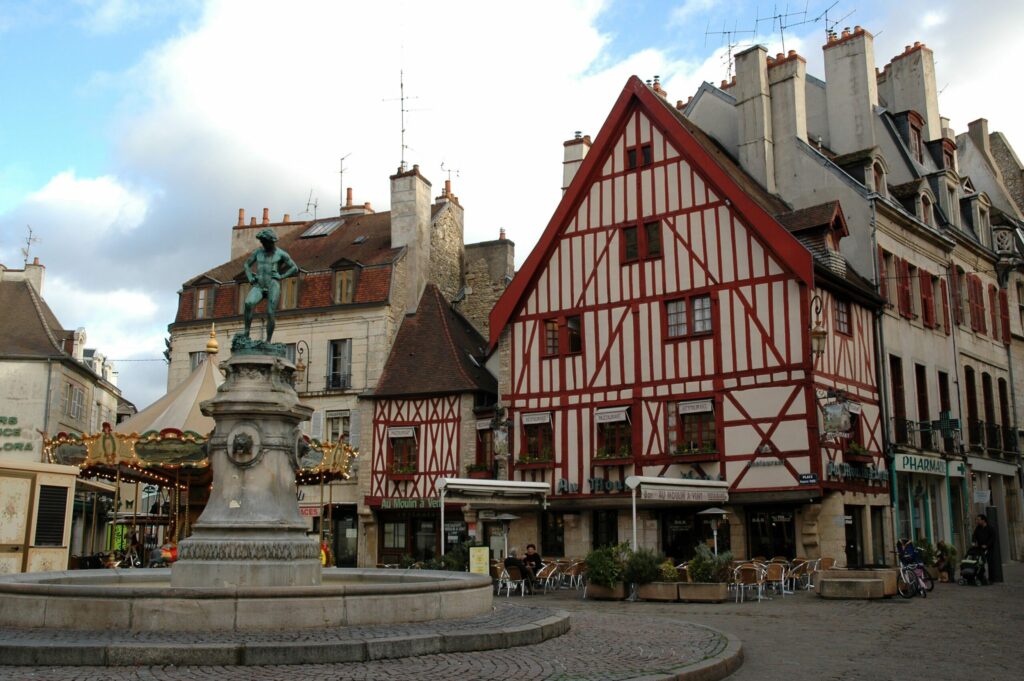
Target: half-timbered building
{"points": [[662, 327]]}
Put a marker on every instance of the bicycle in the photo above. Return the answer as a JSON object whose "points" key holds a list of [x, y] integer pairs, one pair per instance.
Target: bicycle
{"points": [[913, 580]]}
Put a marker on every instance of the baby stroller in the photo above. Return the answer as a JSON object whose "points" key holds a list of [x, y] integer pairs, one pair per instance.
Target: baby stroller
{"points": [[972, 567]]}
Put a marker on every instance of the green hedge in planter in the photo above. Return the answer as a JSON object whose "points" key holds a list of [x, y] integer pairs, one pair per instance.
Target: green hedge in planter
{"points": [[642, 567], [706, 567], [605, 566]]}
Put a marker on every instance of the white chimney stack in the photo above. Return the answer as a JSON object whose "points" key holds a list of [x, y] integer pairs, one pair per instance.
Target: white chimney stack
{"points": [[575, 151], [756, 147], [908, 82], [410, 227], [851, 90]]}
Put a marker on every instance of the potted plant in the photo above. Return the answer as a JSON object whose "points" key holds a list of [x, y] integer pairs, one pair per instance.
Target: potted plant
{"points": [[654, 575], [605, 567], [945, 560], [479, 471], [709, 577]]}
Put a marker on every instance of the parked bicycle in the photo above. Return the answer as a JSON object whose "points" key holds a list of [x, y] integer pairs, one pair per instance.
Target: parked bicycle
{"points": [[913, 579]]}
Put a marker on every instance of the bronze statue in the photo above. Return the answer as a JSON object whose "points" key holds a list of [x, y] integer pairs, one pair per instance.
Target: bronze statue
{"points": [[266, 282]]}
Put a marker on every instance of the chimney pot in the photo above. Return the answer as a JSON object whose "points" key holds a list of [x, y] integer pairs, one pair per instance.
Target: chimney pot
{"points": [[779, 56], [252, 221], [858, 29], [241, 217], [287, 218], [35, 260], [348, 197], [680, 104], [657, 79], [917, 43], [367, 207], [501, 234], [725, 84], [447, 187], [846, 32], [578, 134], [266, 216], [792, 53], [416, 167]]}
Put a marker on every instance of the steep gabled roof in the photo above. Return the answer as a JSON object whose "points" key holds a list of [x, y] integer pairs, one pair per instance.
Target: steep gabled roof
{"points": [[29, 329], [436, 352], [753, 203]]}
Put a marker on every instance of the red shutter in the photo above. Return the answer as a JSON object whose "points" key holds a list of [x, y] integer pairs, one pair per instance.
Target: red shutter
{"points": [[993, 304], [978, 309], [883, 288], [1004, 313], [958, 313], [927, 299], [906, 290], [944, 292]]}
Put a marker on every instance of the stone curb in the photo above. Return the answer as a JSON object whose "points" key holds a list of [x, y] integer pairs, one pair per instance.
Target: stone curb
{"points": [[130, 653], [711, 669]]}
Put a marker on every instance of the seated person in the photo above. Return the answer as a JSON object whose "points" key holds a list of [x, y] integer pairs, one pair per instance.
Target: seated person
{"points": [[513, 560], [532, 558]]}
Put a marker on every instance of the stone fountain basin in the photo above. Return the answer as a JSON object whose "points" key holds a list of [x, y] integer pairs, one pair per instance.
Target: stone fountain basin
{"points": [[144, 600]]}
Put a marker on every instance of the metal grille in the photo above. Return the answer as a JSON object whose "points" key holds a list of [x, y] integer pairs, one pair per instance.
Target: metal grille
{"points": [[53, 504]]}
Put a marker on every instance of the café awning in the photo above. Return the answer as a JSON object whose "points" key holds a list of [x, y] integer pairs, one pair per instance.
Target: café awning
{"points": [[678, 491], [474, 491]]}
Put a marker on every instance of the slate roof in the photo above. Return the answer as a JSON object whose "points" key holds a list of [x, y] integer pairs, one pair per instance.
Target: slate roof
{"points": [[821, 215], [30, 328], [432, 353]]}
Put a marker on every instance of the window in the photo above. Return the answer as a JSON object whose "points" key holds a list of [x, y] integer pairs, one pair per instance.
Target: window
{"points": [[993, 308], [204, 302], [1020, 303], [552, 534], [971, 391], [344, 286], [538, 438], [53, 505], [196, 358], [339, 365], [243, 292], [927, 300], [485, 448], [944, 408], [843, 317], [689, 316], [605, 528], [915, 144], [641, 243], [563, 336], [289, 352], [403, 453], [905, 300], [691, 427], [573, 334], [614, 433], [338, 425], [926, 210], [73, 400], [878, 174], [645, 156], [923, 412], [899, 402], [289, 293], [884, 274], [976, 303], [394, 535], [913, 289], [953, 211]]}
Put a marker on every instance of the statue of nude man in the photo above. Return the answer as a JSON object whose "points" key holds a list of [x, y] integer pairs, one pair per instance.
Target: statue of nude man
{"points": [[272, 265]]}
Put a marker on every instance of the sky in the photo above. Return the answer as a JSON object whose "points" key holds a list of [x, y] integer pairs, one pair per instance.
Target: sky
{"points": [[132, 131]]}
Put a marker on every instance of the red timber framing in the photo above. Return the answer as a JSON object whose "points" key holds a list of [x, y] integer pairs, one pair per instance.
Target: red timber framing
{"points": [[753, 370], [437, 426]]}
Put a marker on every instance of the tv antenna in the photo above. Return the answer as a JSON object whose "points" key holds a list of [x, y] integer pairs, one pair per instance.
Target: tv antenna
{"points": [[785, 19], [731, 42], [341, 194], [311, 201], [830, 24], [449, 171], [402, 98], [29, 240]]}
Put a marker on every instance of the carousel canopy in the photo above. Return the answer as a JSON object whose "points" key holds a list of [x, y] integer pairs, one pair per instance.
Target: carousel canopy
{"points": [[179, 409]]}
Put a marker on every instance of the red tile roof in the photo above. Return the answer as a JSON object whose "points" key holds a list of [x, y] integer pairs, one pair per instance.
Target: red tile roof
{"points": [[436, 352]]}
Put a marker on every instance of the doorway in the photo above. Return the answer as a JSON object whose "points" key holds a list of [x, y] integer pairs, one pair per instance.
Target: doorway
{"points": [[854, 536], [345, 528]]}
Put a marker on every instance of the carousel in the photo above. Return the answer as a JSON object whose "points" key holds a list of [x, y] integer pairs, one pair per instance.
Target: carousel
{"points": [[158, 464]]}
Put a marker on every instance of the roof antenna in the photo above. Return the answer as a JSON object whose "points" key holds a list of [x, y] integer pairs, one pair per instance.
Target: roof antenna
{"points": [[29, 240], [830, 24], [341, 194], [311, 201], [732, 42], [449, 171], [781, 19], [402, 98]]}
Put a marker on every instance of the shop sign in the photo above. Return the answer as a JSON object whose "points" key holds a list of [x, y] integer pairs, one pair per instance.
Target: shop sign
{"points": [[913, 463], [757, 463], [611, 415], [536, 418], [412, 503], [808, 478], [672, 494], [602, 485], [982, 496], [309, 511], [479, 560], [398, 432], [483, 424], [9, 428], [695, 407], [567, 487], [848, 472], [837, 417]]}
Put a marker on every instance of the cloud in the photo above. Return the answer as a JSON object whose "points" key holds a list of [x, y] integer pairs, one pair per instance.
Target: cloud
{"points": [[105, 17], [681, 15]]}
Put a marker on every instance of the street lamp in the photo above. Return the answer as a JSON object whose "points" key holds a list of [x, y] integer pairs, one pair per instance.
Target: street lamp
{"points": [[716, 515], [818, 334], [301, 375]]}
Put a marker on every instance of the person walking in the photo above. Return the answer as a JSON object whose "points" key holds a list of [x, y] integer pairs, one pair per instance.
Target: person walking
{"points": [[985, 539]]}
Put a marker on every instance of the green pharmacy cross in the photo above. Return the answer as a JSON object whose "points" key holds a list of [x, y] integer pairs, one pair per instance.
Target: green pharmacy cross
{"points": [[946, 425]]}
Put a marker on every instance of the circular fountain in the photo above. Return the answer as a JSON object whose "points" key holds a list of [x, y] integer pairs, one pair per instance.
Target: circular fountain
{"points": [[248, 566]]}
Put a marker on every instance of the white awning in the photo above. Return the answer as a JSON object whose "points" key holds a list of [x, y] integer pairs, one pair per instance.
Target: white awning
{"points": [[696, 406], [536, 417], [396, 432], [612, 414], [989, 466], [677, 490], [474, 491]]}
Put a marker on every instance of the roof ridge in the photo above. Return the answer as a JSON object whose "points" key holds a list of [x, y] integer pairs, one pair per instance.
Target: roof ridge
{"points": [[36, 303]]}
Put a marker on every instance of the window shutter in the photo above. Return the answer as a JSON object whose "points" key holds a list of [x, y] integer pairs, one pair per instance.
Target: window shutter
{"points": [[958, 313], [972, 302], [927, 299], [317, 427], [1004, 314], [883, 288], [944, 292], [906, 290], [993, 304], [979, 297], [53, 504]]}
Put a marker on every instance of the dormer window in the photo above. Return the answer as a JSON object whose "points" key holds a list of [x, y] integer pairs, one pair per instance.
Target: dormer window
{"points": [[915, 143], [878, 176], [952, 210], [204, 302], [289, 293], [344, 286], [926, 210]]}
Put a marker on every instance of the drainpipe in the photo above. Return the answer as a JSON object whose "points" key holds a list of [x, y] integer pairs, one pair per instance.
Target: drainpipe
{"points": [[959, 399], [46, 403], [882, 376]]}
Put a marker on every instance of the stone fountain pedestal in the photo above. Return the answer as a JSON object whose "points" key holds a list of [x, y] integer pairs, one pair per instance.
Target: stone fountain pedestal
{"points": [[251, 533]]}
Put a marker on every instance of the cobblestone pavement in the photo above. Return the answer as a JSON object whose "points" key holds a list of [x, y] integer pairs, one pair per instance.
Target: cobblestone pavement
{"points": [[956, 633]]}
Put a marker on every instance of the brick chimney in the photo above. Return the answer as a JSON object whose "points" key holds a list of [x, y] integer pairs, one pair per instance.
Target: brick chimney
{"points": [[575, 150], [755, 143], [410, 227], [908, 82], [851, 90]]}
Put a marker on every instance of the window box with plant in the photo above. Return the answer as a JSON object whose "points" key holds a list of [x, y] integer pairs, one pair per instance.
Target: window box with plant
{"points": [[542, 459], [538, 446], [692, 431], [479, 471], [402, 471], [708, 577], [605, 568], [612, 456]]}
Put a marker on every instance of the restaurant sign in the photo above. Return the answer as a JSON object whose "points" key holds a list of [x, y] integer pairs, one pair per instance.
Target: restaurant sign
{"points": [[411, 503], [679, 494], [849, 472]]}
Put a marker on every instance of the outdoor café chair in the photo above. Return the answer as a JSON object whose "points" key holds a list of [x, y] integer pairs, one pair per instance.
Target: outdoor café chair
{"points": [[748, 577], [549, 576], [775, 577]]}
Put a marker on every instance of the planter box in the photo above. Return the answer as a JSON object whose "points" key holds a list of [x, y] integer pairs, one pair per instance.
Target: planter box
{"points": [[402, 476], [658, 591], [612, 461], [480, 475], [715, 592], [603, 593], [888, 577]]}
